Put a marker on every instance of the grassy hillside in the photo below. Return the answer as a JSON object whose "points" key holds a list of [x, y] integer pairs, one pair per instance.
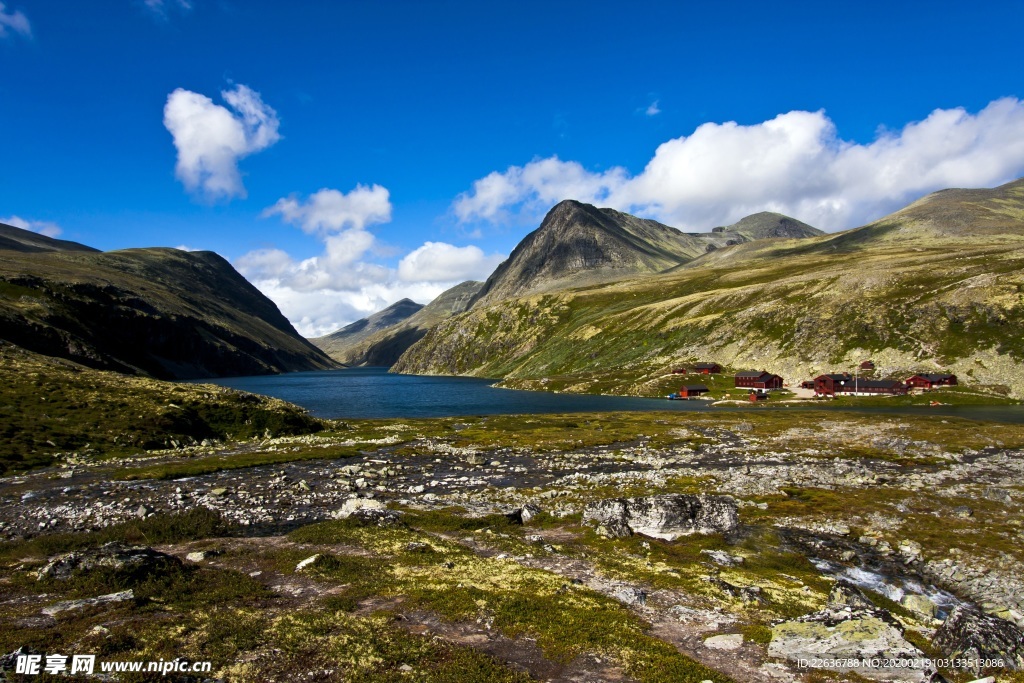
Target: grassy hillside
{"points": [[51, 408], [913, 292]]}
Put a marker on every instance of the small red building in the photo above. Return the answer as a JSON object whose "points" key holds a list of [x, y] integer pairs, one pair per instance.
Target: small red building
{"points": [[930, 381], [867, 365], [692, 390], [758, 381], [707, 368], [826, 385]]}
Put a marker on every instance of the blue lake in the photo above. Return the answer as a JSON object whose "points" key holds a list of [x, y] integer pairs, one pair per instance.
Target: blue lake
{"points": [[376, 393]]}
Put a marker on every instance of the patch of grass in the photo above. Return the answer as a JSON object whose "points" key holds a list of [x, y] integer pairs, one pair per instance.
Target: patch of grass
{"points": [[757, 633], [309, 644], [51, 407]]}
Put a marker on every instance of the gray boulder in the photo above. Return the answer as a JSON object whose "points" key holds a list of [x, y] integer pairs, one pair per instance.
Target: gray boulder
{"points": [[970, 635], [114, 555], [849, 629], [377, 517], [68, 605], [666, 516], [524, 514]]}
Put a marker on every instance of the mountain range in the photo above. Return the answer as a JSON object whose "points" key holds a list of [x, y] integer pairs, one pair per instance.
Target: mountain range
{"points": [[936, 285], [605, 300], [165, 313], [575, 245]]}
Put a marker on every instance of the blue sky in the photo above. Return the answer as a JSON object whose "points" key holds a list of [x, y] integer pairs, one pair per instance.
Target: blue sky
{"points": [[344, 155]]}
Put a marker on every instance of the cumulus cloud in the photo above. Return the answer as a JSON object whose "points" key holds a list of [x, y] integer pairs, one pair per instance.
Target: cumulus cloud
{"points": [[13, 22], [211, 138], [343, 283], [330, 210], [42, 227], [535, 186], [795, 163], [441, 262], [322, 294]]}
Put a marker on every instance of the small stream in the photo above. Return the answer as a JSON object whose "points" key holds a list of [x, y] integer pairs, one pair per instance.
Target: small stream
{"points": [[892, 587]]}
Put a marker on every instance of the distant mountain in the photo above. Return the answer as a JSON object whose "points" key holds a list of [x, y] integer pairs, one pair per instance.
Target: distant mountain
{"points": [[166, 313], [933, 287], [580, 245], [387, 343], [16, 239], [768, 225], [338, 343]]}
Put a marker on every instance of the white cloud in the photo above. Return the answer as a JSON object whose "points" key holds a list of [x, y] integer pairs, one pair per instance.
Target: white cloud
{"points": [[330, 210], [341, 284], [42, 227], [535, 186], [652, 109], [13, 21], [211, 138], [315, 314], [795, 164], [441, 262]]}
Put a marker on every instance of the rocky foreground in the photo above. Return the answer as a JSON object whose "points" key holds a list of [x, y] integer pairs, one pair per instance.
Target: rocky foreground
{"points": [[784, 546]]}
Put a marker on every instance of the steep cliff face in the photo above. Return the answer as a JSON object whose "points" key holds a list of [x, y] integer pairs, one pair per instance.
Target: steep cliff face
{"points": [[387, 342], [161, 312], [934, 286]]}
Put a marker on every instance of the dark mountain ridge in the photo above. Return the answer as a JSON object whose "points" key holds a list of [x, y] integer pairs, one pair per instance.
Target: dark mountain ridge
{"points": [[16, 239], [161, 312]]}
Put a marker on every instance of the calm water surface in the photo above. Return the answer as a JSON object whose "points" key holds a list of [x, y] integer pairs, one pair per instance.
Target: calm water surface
{"points": [[376, 393]]}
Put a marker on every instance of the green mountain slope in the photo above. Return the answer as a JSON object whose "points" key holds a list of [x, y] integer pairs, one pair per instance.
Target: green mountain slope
{"points": [[914, 291], [161, 312]]}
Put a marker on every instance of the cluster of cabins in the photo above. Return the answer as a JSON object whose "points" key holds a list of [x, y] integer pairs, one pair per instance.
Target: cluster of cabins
{"points": [[759, 383], [845, 384]]}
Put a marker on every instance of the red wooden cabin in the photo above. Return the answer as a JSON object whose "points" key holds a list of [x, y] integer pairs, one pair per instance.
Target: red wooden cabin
{"points": [[707, 368], [826, 385], [930, 381], [758, 381]]}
